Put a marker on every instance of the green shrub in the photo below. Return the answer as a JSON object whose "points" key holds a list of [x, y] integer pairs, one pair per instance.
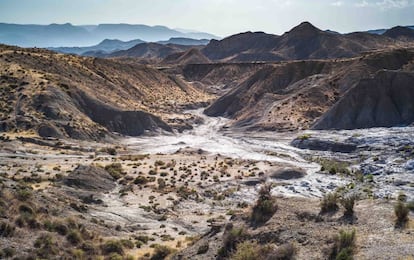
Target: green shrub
{"points": [[334, 166], [115, 170], [232, 237], [265, 206], [247, 251], [401, 212], [6, 229], [348, 203], [161, 252], [304, 137], [203, 248], [140, 180], [410, 205], [112, 246], [329, 203], [344, 245], [7, 252], [24, 193], [127, 243], [46, 246], [161, 183], [74, 237], [402, 197]]}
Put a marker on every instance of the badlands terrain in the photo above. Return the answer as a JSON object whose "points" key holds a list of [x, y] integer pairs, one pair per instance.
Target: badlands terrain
{"points": [[299, 146]]}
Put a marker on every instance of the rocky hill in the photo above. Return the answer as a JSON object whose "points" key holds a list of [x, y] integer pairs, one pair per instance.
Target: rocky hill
{"points": [[304, 41], [86, 98], [192, 56], [294, 95], [400, 33], [150, 51]]}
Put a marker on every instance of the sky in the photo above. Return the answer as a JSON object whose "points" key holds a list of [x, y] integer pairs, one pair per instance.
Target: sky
{"points": [[220, 17]]}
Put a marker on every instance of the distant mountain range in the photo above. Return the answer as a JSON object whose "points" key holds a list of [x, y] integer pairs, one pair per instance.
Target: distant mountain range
{"points": [[303, 42], [382, 31], [58, 35], [107, 46]]}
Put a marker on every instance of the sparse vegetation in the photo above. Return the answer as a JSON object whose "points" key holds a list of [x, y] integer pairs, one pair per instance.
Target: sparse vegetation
{"points": [[265, 206], [401, 212], [334, 166], [348, 203], [344, 246], [161, 252], [115, 170], [329, 203]]}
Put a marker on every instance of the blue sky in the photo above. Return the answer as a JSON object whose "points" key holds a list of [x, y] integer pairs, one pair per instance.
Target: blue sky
{"points": [[221, 17]]}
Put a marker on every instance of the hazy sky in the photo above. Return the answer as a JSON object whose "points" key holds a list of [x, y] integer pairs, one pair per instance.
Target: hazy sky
{"points": [[221, 17]]}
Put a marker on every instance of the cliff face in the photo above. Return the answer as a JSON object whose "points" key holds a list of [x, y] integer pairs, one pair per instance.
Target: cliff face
{"points": [[383, 101]]}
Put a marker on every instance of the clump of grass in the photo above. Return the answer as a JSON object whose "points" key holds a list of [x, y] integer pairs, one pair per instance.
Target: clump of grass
{"points": [[203, 248], [334, 166], [6, 229], [232, 237], [112, 246], [304, 137], [74, 237], [329, 203], [348, 202], [46, 246], [161, 252], [265, 206], [344, 246], [115, 170], [401, 212], [140, 180]]}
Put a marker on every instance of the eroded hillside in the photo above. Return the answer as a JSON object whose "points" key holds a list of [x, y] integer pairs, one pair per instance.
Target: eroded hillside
{"points": [[86, 98], [294, 95]]}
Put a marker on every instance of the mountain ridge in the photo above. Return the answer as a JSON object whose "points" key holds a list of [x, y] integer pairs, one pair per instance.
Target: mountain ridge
{"points": [[61, 35]]}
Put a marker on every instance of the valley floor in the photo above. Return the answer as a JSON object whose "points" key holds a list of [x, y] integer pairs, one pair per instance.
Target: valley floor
{"points": [[173, 189]]}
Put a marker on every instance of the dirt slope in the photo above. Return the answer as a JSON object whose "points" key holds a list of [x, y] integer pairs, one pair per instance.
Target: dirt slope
{"points": [[86, 98], [293, 95]]}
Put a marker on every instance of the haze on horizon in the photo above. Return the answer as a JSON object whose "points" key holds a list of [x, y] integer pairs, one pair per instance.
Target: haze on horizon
{"points": [[220, 17]]}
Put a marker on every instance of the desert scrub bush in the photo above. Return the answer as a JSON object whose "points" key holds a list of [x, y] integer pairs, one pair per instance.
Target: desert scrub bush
{"points": [[115, 170], [112, 246], [251, 251], [74, 237], [348, 202], [283, 252], [410, 205], [161, 183], [334, 166], [127, 243], [161, 252], [304, 137], [7, 253], [265, 206], [401, 212], [140, 180], [6, 229], [232, 237], [329, 203], [108, 150], [24, 193], [159, 163], [344, 246], [46, 246], [203, 248]]}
